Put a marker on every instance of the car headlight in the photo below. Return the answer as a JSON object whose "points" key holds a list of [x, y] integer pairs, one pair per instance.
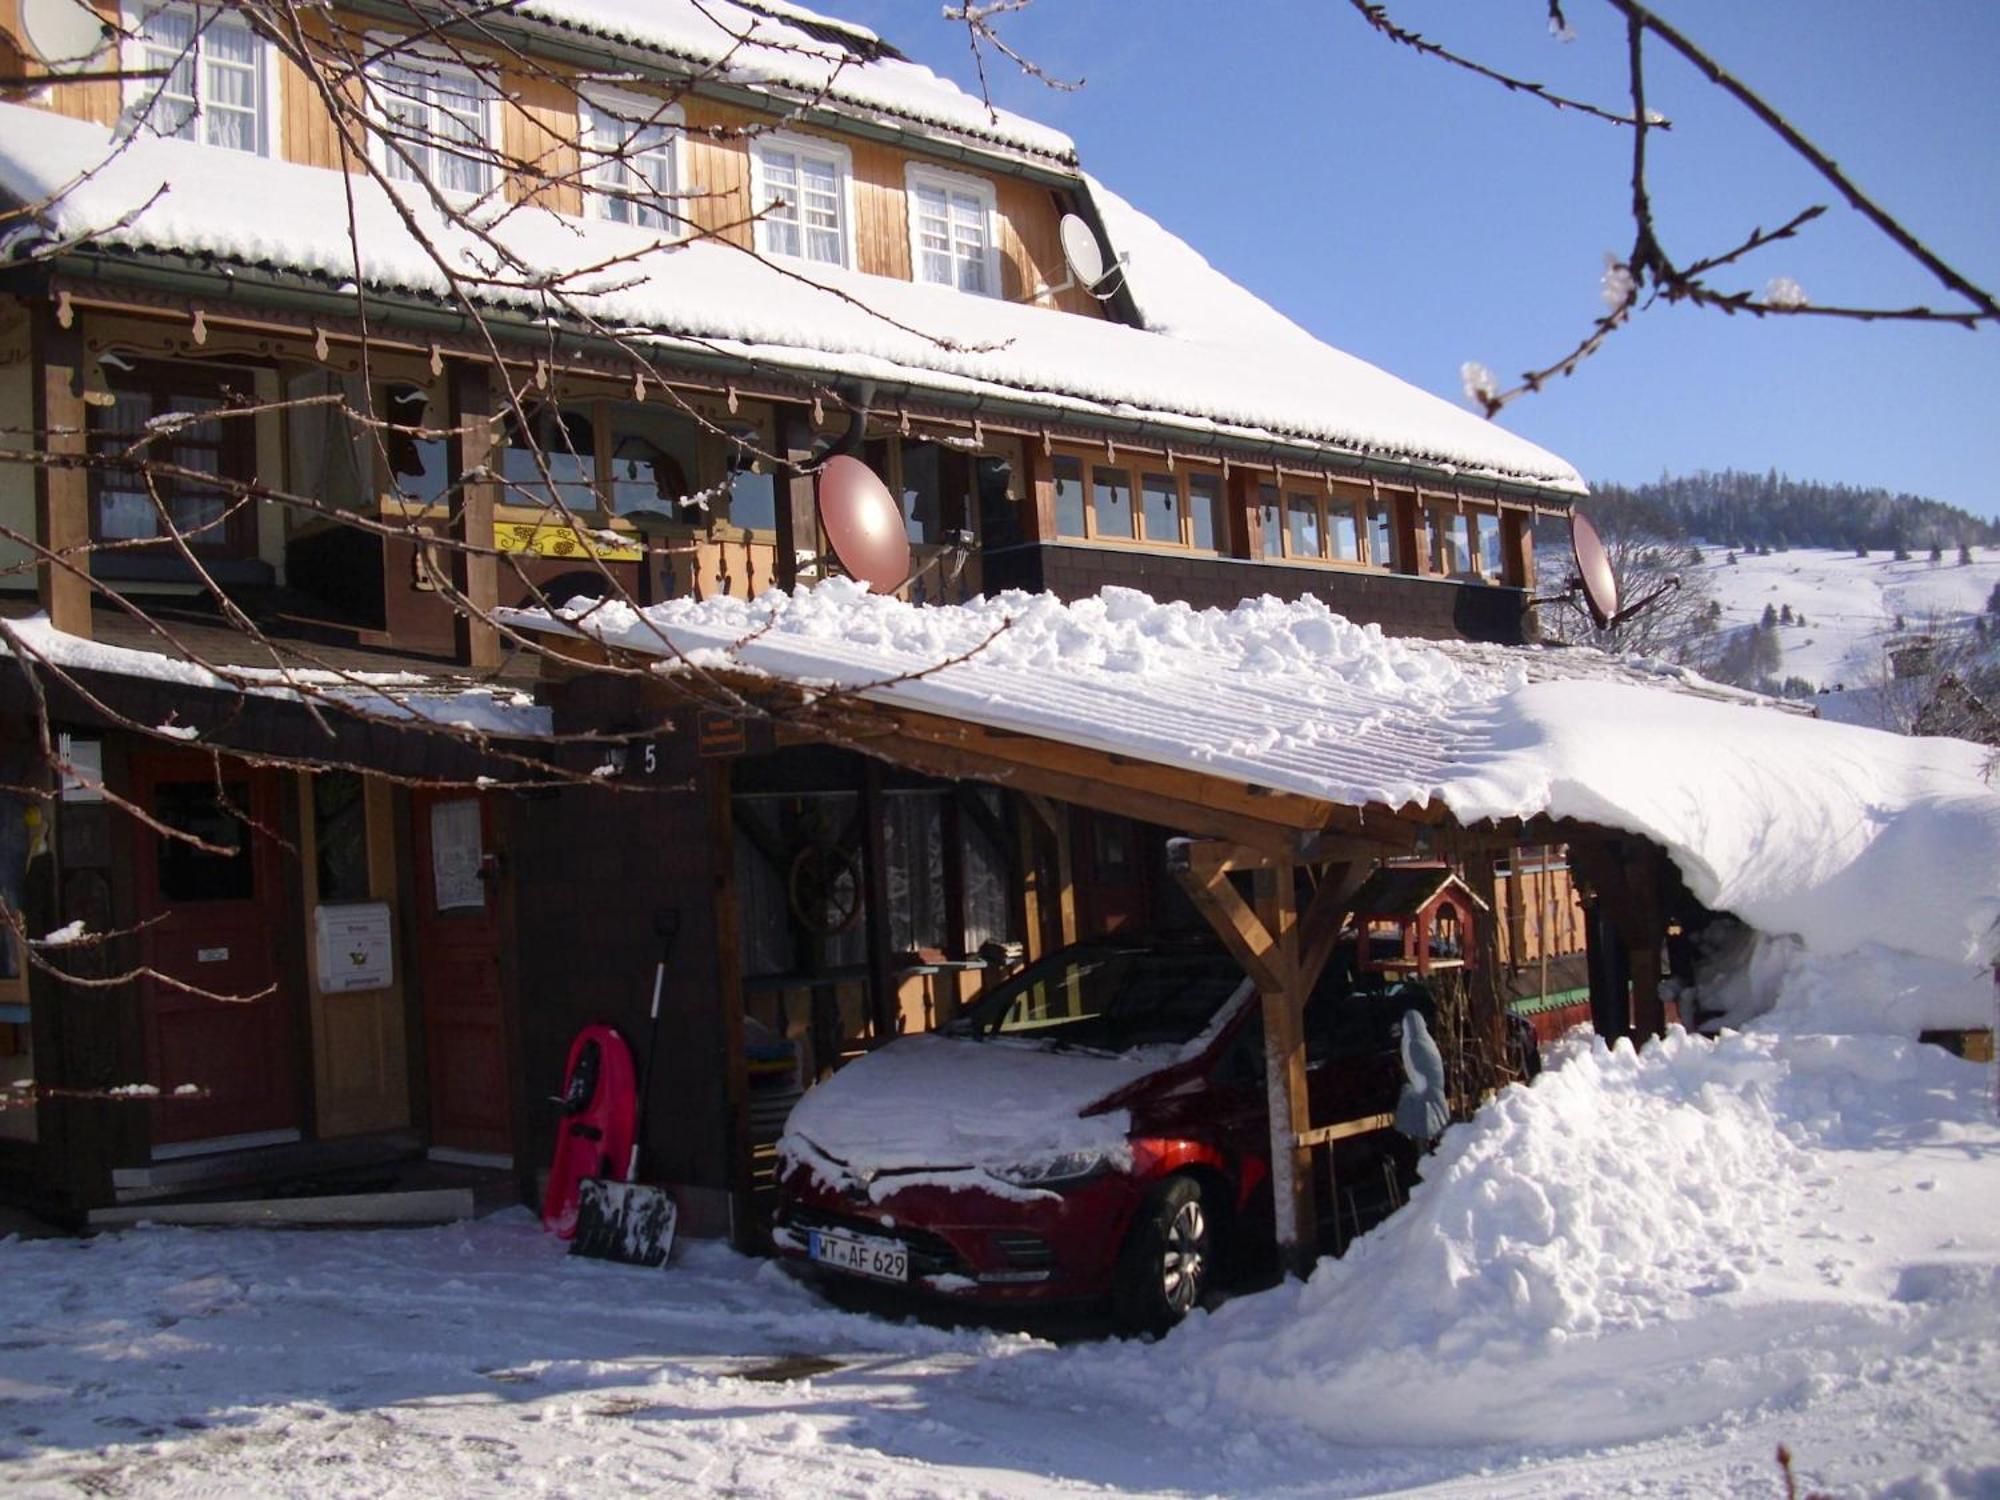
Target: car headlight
{"points": [[1043, 1171]]}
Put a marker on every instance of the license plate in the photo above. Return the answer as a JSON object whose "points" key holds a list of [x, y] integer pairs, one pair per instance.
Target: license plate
{"points": [[885, 1260]]}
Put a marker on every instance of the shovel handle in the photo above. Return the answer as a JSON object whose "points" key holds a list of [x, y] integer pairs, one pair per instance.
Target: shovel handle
{"points": [[652, 1049]]}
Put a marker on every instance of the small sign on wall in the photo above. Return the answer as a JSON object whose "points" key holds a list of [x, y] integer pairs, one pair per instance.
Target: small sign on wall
{"points": [[354, 945]]}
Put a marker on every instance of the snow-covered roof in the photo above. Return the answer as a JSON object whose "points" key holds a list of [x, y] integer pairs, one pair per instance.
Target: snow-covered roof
{"points": [[1840, 835], [1238, 370], [801, 57], [393, 696]]}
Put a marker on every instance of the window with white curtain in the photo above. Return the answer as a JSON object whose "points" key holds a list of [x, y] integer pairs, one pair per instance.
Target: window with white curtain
{"points": [[629, 155], [216, 84], [951, 231], [801, 196], [437, 122]]}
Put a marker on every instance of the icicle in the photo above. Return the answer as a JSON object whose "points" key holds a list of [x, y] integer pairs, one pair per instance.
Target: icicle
{"points": [[437, 361], [732, 401], [978, 434], [200, 326], [638, 385], [65, 314], [1110, 453], [819, 411], [1046, 449], [319, 345]]}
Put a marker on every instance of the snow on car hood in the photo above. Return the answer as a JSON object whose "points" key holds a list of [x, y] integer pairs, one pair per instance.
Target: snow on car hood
{"points": [[942, 1102]]}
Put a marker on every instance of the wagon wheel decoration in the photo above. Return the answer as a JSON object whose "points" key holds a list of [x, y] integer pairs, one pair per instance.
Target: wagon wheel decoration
{"points": [[824, 886]]}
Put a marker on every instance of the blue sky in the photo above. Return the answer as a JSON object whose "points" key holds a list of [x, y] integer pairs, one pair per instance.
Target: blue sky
{"points": [[1419, 217]]}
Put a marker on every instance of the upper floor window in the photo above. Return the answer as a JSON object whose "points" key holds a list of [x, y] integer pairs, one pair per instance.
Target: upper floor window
{"points": [[801, 192], [436, 119], [629, 158], [951, 231], [217, 78]]}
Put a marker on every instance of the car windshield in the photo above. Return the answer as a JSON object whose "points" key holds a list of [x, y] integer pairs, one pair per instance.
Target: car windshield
{"points": [[1108, 997]]}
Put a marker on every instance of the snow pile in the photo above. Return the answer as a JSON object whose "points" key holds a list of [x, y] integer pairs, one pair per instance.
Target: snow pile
{"points": [[1639, 1242], [1840, 835], [173, 197], [1763, 983]]}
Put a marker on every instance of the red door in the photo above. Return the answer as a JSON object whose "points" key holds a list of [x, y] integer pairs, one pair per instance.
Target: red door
{"points": [[458, 967], [213, 915]]}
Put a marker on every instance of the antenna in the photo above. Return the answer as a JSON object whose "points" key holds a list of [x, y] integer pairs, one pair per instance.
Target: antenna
{"points": [[65, 34], [863, 524], [1085, 259], [1593, 587]]}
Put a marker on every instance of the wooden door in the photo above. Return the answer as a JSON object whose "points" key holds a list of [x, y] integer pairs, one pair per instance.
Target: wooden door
{"points": [[212, 921], [458, 967], [360, 1045]]}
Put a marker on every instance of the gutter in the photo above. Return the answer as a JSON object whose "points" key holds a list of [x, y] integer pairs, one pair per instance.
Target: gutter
{"points": [[260, 287]]}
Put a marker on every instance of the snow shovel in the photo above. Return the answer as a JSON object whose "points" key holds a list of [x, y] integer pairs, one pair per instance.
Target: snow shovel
{"points": [[623, 1220]]}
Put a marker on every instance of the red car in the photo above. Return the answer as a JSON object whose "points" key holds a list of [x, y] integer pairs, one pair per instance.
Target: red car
{"points": [[1094, 1127]]}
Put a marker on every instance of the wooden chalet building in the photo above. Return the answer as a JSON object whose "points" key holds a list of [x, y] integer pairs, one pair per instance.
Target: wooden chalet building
{"points": [[813, 243]]}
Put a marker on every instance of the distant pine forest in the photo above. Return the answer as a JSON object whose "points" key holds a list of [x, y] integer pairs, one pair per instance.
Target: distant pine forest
{"points": [[1733, 509]]}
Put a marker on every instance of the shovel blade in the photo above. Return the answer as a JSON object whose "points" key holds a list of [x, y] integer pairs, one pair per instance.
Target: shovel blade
{"points": [[624, 1221]]}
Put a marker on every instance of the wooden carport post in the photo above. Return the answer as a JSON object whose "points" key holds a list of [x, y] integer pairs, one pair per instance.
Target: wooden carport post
{"points": [[1266, 942]]}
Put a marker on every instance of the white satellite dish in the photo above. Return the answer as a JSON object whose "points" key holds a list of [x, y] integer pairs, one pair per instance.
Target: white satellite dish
{"points": [[65, 34], [1082, 253], [1085, 258]]}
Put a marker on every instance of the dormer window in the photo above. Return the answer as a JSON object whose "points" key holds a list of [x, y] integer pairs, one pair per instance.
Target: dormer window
{"points": [[436, 120], [951, 231], [801, 191], [629, 148], [217, 80]]}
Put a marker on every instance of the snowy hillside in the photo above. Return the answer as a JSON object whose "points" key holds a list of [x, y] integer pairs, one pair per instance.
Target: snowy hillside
{"points": [[1850, 604]]}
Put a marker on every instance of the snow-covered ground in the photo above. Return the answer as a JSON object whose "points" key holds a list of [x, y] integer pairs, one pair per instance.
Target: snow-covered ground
{"points": [[1850, 603], [1637, 1277]]}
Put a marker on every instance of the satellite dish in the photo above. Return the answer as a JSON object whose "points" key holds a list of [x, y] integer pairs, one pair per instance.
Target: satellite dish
{"points": [[1081, 252], [65, 34], [1593, 571], [863, 524]]}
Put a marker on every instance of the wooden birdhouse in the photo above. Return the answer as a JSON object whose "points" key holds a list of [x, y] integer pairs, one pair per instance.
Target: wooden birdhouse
{"points": [[1415, 918]]}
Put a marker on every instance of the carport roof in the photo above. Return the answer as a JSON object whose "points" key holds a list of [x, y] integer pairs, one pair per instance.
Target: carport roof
{"points": [[1278, 721]]}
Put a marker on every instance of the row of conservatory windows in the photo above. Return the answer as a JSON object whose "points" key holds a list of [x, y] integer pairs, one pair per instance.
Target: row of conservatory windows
{"points": [[439, 124]]}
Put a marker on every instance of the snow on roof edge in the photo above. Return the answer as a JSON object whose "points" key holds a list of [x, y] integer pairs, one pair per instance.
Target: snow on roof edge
{"points": [[890, 85]]}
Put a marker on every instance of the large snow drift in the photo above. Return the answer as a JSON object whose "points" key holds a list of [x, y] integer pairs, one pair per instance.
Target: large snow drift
{"points": [[1641, 1241], [1839, 835]]}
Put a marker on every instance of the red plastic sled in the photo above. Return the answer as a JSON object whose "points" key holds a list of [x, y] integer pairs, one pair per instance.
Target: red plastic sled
{"points": [[594, 1131]]}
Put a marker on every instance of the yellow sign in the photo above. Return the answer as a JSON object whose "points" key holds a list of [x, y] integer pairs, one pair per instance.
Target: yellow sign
{"points": [[540, 540]]}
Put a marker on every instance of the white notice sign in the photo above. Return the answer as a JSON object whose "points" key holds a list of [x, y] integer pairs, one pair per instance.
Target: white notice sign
{"points": [[355, 947], [456, 854]]}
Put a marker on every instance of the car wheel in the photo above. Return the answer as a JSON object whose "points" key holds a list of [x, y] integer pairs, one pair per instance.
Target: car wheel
{"points": [[1168, 1259]]}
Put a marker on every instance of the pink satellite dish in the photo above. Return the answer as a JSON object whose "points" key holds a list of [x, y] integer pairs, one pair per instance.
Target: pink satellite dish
{"points": [[1593, 570], [863, 524]]}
